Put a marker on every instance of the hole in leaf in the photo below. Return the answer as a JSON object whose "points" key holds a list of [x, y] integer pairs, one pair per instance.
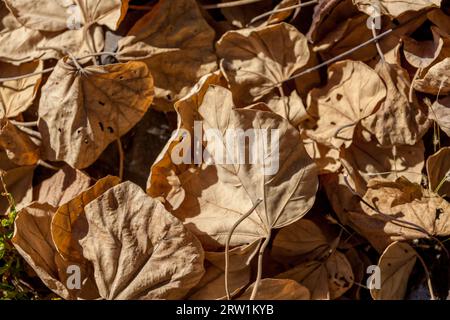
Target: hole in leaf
{"points": [[101, 103]]}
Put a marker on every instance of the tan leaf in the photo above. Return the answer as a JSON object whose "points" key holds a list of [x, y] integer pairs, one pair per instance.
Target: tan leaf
{"points": [[215, 196], [255, 61], [326, 159], [18, 182], [394, 8], [32, 238], [277, 289], [212, 284], [241, 16], [144, 252], [58, 15], [72, 215], [190, 40], [327, 279], [421, 54], [398, 121], [19, 147], [404, 211], [25, 44], [289, 107], [396, 264], [62, 187], [440, 112], [17, 95], [82, 112], [364, 161], [436, 80], [239, 257], [344, 102], [299, 238], [438, 169]]}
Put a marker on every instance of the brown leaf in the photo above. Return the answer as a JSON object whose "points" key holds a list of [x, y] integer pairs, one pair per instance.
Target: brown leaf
{"points": [[404, 211], [326, 159], [71, 215], [438, 169], [241, 16], [328, 279], [396, 264], [436, 79], [54, 16], [215, 196], [256, 61], [144, 252], [395, 8], [18, 182], [440, 112], [421, 54], [82, 112], [19, 147], [62, 187], [177, 54], [398, 121], [344, 102], [32, 238], [277, 289], [17, 95]]}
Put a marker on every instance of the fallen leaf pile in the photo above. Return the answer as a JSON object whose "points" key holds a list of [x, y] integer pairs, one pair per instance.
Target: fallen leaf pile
{"points": [[100, 99]]}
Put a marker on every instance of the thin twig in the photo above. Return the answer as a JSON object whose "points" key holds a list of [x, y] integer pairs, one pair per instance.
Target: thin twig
{"points": [[229, 4], [260, 267], [377, 44], [430, 286], [24, 124], [269, 13], [47, 165], [24, 76], [121, 158], [227, 244]]}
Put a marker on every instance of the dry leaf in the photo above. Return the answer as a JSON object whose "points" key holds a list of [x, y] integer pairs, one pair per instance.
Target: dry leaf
{"points": [[436, 79], [67, 14], [256, 61], [328, 279], [19, 147], [277, 289], [144, 252], [421, 54], [438, 169], [18, 181], [344, 102], [326, 159], [71, 216], [178, 54], [82, 112], [440, 112], [289, 107], [396, 264], [215, 196], [32, 238], [241, 16], [394, 8], [16, 96], [398, 121], [62, 187], [404, 211]]}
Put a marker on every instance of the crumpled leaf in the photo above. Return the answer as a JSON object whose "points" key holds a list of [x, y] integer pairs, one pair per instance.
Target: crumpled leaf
{"points": [[63, 186], [396, 264], [71, 215], [255, 61], [27, 45], [398, 121], [210, 199], [405, 211], [32, 238], [177, 54], [17, 95], [328, 279], [82, 112], [421, 54], [436, 80], [438, 169], [145, 253], [344, 102], [394, 8], [440, 112], [19, 147], [58, 15], [277, 289], [325, 158]]}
